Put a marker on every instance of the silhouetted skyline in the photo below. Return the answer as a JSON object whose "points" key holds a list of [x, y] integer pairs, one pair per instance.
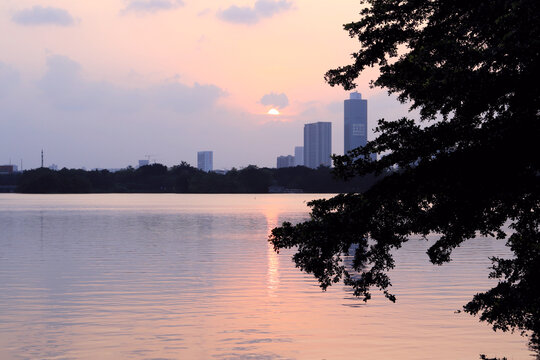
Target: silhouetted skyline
{"points": [[101, 84]]}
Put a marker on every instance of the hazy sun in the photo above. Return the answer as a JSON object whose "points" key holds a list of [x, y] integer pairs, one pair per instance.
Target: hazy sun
{"points": [[273, 112]]}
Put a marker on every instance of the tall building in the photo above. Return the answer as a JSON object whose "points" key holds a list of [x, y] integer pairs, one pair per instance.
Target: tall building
{"points": [[355, 122], [205, 160], [298, 156], [144, 163], [285, 161], [317, 144]]}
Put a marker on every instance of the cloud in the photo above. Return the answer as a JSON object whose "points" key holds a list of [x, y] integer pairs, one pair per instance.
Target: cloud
{"points": [[240, 15], [268, 8], [185, 99], [39, 15], [151, 6], [85, 122], [204, 12], [252, 15], [276, 100], [65, 87], [335, 107], [9, 79]]}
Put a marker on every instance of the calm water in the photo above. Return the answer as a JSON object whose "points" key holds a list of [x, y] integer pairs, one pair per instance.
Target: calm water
{"points": [[193, 277]]}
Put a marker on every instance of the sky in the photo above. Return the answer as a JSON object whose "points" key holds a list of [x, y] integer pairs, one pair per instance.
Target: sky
{"points": [[105, 83]]}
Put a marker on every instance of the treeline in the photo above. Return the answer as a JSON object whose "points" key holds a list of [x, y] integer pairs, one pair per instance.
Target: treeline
{"points": [[184, 178], [8, 182]]}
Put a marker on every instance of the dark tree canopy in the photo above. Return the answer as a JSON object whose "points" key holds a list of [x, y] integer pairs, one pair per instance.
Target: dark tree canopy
{"points": [[468, 166], [182, 178]]}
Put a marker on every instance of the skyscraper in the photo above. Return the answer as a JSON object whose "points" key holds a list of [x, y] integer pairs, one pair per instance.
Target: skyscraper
{"points": [[298, 156], [355, 122], [205, 160], [317, 144]]}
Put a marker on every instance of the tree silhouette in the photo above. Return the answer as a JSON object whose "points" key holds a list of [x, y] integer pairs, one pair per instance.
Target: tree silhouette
{"points": [[468, 166]]}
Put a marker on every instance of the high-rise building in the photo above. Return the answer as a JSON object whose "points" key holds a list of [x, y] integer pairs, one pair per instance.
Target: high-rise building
{"points": [[317, 144], [205, 160], [298, 156], [355, 122], [285, 161], [144, 163]]}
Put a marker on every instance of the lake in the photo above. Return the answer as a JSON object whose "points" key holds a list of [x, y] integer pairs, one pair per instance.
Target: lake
{"points": [[189, 276]]}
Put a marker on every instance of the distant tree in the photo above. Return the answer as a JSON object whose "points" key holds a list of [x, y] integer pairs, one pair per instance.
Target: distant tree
{"points": [[254, 180], [101, 180], [44, 180], [74, 181], [181, 167], [9, 179], [152, 170], [41, 180], [472, 69], [182, 174]]}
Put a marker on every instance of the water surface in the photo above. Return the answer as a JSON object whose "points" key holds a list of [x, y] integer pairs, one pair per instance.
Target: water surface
{"points": [[112, 276]]}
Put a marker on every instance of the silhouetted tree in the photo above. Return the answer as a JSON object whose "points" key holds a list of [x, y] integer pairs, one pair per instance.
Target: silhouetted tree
{"points": [[41, 180], [182, 173], [101, 180], [471, 68], [254, 180], [181, 178], [7, 181]]}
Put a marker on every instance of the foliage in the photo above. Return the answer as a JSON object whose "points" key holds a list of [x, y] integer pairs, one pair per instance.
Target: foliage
{"points": [[484, 357], [8, 182], [182, 178], [43, 180], [469, 167]]}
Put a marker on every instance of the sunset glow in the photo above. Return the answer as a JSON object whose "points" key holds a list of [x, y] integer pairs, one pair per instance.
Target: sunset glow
{"points": [[150, 66]]}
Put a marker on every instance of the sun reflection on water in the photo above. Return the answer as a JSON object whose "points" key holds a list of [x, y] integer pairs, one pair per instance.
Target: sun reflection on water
{"points": [[271, 213]]}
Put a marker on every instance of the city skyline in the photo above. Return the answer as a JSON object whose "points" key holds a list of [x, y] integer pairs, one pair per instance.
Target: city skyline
{"points": [[355, 124], [101, 84]]}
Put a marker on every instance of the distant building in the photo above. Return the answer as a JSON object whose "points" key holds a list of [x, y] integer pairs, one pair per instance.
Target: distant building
{"points": [[53, 167], [355, 123], [285, 161], [8, 169], [221, 171], [298, 156], [144, 163], [205, 160], [317, 144]]}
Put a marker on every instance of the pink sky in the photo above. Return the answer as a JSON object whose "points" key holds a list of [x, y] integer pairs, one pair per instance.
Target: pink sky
{"points": [[103, 83]]}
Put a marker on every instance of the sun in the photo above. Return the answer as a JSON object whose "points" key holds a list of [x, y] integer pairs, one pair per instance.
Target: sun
{"points": [[273, 112]]}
